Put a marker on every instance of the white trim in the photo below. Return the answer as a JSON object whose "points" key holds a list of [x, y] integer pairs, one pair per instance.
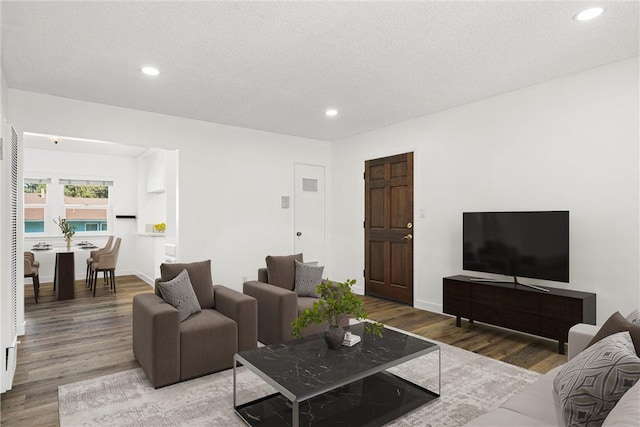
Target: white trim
{"points": [[69, 181], [428, 306], [149, 281]]}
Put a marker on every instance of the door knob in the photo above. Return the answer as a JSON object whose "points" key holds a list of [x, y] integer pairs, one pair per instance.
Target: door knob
{"points": [[298, 234], [408, 237]]}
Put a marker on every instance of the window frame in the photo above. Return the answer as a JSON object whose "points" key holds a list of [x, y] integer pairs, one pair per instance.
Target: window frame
{"points": [[46, 206], [55, 206], [62, 182]]}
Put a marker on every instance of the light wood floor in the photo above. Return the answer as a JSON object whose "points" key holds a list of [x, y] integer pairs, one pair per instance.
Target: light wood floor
{"points": [[69, 341], [74, 340]]}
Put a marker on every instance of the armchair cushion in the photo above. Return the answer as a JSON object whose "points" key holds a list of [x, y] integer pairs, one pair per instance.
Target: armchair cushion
{"points": [[281, 270], [308, 277], [179, 293], [200, 276], [208, 341]]}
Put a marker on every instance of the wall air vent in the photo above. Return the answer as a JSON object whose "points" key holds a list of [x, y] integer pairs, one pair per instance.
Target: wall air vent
{"points": [[310, 185]]}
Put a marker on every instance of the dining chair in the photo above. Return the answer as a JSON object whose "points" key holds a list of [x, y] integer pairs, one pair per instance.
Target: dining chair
{"points": [[106, 263], [92, 256], [32, 257], [31, 270]]}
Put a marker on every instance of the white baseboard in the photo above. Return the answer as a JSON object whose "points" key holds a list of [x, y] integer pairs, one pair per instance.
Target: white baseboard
{"points": [[21, 328], [428, 306], [149, 281]]}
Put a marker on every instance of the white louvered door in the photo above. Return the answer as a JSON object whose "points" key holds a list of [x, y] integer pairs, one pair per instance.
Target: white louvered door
{"points": [[11, 273]]}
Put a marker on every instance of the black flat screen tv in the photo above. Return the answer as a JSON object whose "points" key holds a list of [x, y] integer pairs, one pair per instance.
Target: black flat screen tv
{"points": [[525, 244]]}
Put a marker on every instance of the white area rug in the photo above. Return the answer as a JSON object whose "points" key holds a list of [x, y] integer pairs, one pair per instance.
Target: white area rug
{"points": [[471, 385]]}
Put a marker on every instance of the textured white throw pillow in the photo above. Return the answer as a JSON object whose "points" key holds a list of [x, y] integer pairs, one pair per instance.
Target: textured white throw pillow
{"points": [[179, 293], [590, 385], [308, 277], [634, 316]]}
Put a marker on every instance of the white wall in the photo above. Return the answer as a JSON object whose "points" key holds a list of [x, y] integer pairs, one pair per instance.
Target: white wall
{"points": [[568, 144], [123, 171], [230, 179], [155, 207], [571, 143], [152, 206]]}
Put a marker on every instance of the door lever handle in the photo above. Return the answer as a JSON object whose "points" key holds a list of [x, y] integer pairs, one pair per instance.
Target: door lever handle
{"points": [[408, 237]]}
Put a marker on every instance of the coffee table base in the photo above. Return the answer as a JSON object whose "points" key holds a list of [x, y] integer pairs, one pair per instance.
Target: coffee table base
{"points": [[372, 401]]}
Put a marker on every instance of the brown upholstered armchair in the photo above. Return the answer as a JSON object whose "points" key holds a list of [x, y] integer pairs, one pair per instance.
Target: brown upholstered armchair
{"points": [[278, 304], [170, 351]]}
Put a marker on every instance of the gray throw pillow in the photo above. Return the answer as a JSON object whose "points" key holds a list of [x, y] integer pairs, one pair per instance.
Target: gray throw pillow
{"points": [[634, 316], [308, 277], [179, 293], [590, 384], [200, 276]]}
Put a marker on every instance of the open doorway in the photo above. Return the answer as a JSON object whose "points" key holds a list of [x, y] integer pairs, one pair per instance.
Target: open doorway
{"points": [[138, 190]]}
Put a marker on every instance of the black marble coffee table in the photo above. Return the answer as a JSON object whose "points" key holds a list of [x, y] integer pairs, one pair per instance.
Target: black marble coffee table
{"points": [[317, 386]]}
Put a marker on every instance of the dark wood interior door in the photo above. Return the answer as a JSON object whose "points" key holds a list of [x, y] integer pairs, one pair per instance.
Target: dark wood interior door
{"points": [[388, 225]]}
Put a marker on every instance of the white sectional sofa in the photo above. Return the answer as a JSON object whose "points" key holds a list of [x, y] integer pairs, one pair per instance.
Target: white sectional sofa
{"points": [[537, 406]]}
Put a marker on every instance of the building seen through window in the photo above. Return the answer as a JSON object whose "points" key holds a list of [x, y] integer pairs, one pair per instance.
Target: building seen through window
{"points": [[35, 201], [86, 207], [84, 204]]}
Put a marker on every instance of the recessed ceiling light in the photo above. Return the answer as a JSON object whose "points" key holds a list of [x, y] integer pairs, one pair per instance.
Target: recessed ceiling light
{"points": [[588, 14], [150, 71], [331, 112]]}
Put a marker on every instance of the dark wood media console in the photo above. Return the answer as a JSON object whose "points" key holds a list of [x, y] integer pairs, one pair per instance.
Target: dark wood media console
{"points": [[546, 314]]}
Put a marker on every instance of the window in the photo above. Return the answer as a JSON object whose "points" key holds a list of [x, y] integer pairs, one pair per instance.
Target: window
{"points": [[86, 204], [35, 204]]}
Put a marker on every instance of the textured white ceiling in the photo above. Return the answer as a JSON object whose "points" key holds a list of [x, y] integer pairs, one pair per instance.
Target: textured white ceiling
{"points": [[277, 66]]}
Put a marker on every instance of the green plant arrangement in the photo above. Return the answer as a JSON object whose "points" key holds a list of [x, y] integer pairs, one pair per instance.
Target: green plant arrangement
{"points": [[67, 230], [336, 301]]}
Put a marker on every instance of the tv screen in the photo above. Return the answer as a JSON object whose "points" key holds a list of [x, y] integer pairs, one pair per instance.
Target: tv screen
{"points": [[525, 244]]}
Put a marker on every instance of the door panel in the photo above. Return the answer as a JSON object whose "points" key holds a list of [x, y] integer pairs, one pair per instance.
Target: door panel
{"points": [[377, 208], [377, 261], [398, 214], [388, 228], [398, 169], [377, 173], [398, 264]]}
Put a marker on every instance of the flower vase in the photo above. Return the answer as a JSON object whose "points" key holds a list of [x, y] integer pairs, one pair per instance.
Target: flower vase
{"points": [[68, 243], [334, 336]]}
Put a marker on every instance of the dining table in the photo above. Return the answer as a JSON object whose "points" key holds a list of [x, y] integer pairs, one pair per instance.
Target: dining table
{"points": [[64, 269]]}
